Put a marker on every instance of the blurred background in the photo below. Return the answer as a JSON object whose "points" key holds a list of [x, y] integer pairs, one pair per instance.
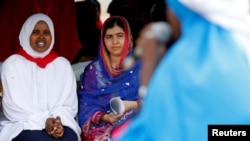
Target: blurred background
{"points": [[77, 22], [104, 6]]}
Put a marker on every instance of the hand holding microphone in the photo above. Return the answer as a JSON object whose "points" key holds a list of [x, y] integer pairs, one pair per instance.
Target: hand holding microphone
{"points": [[153, 35], [150, 47]]}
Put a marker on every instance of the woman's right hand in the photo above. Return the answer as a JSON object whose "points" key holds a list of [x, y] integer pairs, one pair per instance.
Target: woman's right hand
{"points": [[111, 118]]}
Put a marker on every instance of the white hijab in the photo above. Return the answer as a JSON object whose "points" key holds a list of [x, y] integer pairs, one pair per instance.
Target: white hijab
{"points": [[27, 28]]}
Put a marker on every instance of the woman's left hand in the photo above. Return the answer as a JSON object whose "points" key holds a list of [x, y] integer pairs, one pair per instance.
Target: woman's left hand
{"points": [[54, 127]]}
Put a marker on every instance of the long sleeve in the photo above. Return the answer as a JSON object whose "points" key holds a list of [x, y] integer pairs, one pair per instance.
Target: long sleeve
{"points": [[32, 94]]}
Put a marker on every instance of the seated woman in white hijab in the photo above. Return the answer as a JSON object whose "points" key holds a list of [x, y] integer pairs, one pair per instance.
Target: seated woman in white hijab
{"points": [[39, 88], [203, 79]]}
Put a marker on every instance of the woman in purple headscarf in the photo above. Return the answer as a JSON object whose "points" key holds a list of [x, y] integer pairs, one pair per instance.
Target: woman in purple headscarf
{"points": [[105, 78]]}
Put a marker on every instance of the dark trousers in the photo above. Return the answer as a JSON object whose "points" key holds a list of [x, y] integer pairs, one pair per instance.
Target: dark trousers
{"points": [[41, 135]]}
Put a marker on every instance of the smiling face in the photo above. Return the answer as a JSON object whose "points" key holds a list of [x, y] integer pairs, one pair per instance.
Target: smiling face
{"points": [[40, 38], [114, 40]]}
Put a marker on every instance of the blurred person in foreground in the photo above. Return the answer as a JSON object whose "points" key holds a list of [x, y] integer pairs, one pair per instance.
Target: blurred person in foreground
{"points": [[203, 79]]}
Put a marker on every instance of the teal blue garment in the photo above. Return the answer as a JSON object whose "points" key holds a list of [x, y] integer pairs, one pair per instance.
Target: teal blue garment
{"points": [[204, 79]]}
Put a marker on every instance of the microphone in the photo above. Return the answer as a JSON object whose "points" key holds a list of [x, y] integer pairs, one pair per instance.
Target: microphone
{"points": [[160, 31]]}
